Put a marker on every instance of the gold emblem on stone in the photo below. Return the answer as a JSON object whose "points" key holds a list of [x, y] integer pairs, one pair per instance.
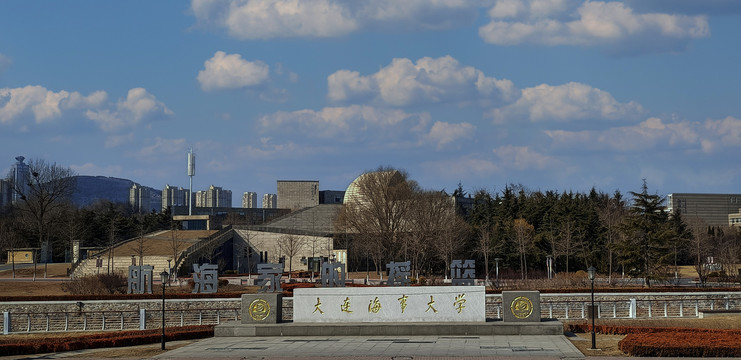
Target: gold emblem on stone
{"points": [[259, 309], [521, 307]]}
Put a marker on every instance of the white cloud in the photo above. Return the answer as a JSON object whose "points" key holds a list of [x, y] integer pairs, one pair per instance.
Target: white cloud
{"points": [[728, 130], [42, 103], [162, 147], [453, 168], [568, 102], [344, 123], [266, 19], [443, 133], [138, 106], [648, 134], [429, 80], [523, 157], [225, 72], [5, 63], [612, 25], [92, 169]]}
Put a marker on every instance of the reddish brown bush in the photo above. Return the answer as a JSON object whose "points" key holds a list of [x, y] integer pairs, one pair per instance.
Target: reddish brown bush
{"points": [[684, 343], [109, 339]]}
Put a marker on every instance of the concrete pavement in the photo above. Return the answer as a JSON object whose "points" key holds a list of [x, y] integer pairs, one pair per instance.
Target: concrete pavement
{"points": [[379, 347]]}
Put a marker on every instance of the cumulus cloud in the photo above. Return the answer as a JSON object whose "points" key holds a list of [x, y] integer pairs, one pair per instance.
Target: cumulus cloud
{"points": [[229, 71], [42, 103], [523, 157], [344, 123], [96, 170], [645, 135], [612, 25], [161, 147], [568, 102], [429, 80], [452, 168], [139, 106], [443, 133], [725, 131], [266, 19]]}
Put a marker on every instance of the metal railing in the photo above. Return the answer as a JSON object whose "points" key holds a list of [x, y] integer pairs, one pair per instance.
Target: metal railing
{"points": [[27, 322]]}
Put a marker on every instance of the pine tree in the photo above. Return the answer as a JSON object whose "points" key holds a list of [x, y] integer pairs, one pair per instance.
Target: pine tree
{"points": [[646, 249]]}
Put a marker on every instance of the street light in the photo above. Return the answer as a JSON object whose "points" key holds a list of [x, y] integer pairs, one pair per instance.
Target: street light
{"points": [[497, 260], [163, 277], [591, 272]]}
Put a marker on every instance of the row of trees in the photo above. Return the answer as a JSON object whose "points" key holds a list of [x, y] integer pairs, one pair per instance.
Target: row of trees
{"points": [[389, 218], [44, 217]]}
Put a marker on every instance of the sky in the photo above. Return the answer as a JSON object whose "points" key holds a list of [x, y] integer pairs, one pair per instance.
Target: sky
{"points": [[563, 95]]}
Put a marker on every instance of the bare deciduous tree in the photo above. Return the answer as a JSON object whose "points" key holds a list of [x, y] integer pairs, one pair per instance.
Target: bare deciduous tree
{"points": [[9, 239], [291, 245], [45, 192], [611, 216], [375, 212], [524, 233]]}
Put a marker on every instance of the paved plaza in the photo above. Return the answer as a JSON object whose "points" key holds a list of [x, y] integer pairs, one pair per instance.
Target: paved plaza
{"points": [[381, 347]]}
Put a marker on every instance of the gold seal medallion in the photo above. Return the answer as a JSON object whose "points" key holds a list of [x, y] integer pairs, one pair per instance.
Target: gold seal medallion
{"points": [[521, 307], [259, 309]]}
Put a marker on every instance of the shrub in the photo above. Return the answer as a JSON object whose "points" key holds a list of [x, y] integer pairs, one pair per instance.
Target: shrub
{"points": [[97, 285], [108, 339], [684, 342]]}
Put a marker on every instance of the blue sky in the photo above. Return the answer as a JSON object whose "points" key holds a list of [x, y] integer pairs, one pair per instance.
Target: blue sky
{"points": [[551, 94]]}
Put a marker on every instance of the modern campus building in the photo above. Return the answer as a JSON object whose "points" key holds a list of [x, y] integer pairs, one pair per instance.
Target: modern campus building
{"points": [[214, 197], [174, 196], [249, 200], [714, 209], [270, 201], [297, 194]]}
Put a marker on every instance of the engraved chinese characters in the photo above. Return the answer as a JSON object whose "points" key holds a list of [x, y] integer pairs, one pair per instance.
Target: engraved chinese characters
{"points": [[463, 272], [390, 304], [140, 278], [269, 274], [399, 273], [205, 278]]}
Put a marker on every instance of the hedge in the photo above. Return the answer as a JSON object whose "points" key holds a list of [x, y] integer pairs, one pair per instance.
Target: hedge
{"points": [[102, 340], [670, 341]]}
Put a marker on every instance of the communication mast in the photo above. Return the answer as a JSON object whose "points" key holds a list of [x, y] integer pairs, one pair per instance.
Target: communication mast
{"points": [[191, 173]]}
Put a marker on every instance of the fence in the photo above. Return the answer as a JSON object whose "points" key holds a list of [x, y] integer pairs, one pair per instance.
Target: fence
{"points": [[559, 306], [20, 322]]}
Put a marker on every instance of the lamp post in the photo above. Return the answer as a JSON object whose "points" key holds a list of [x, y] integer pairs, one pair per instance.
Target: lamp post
{"points": [[163, 277], [591, 272], [496, 261]]}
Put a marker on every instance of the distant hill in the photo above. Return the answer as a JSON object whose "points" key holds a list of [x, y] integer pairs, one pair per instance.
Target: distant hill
{"points": [[90, 189]]}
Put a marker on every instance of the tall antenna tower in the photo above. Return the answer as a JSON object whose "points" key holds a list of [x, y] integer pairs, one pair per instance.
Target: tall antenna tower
{"points": [[191, 173]]}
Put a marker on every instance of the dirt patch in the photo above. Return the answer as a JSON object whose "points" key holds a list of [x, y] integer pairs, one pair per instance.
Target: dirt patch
{"points": [[31, 288], [56, 270], [607, 345]]}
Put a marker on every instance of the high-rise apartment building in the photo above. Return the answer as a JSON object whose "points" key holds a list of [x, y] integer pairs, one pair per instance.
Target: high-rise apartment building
{"points": [[297, 194], [174, 196], [270, 201], [140, 199], [21, 175], [214, 197], [249, 200]]}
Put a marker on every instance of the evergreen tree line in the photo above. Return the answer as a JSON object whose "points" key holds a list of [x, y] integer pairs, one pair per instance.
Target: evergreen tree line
{"points": [[636, 237]]}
